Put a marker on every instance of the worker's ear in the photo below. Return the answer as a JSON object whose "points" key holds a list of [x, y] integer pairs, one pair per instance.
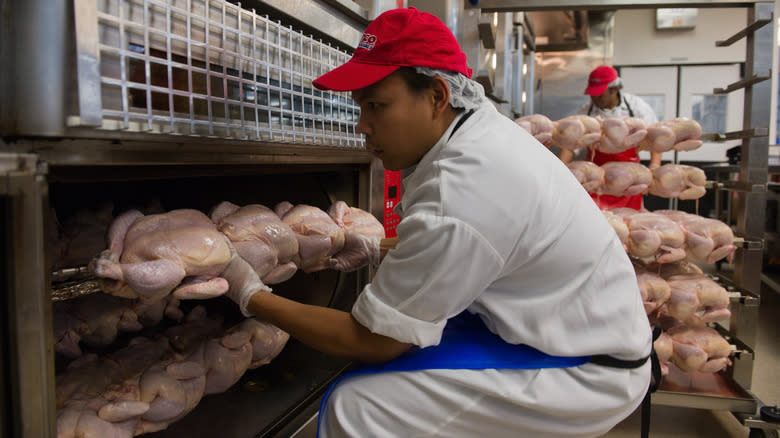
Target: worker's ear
{"points": [[440, 96]]}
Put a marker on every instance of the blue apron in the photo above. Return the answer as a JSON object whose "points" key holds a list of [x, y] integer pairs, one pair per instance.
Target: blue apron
{"points": [[466, 344]]}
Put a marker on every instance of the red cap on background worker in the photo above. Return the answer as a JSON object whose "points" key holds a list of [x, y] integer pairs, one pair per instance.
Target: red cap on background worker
{"points": [[600, 79]]}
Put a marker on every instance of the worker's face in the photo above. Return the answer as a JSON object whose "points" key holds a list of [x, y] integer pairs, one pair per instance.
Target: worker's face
{"points": [[397, 123], [608, 100]]}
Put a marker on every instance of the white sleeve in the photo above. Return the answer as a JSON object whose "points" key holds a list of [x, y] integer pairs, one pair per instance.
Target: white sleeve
{"points": [[644, 111], [440, 266]]}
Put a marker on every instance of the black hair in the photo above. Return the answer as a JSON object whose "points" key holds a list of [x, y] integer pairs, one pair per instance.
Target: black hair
{"points": [[417, 82]]}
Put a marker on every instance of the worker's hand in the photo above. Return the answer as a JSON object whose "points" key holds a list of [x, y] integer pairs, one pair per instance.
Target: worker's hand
{"points": [[243, 282], [358, 251]]}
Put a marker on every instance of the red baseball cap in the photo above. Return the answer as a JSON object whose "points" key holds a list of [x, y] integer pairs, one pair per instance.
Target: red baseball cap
{"points": [[599, 80], [397, 38]]}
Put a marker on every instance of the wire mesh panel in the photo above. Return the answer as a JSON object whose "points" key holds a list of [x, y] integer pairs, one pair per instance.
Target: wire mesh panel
{"points": [[211, 68]]}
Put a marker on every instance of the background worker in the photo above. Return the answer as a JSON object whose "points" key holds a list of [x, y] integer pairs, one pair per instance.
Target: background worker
{"points": [[607, 99]]}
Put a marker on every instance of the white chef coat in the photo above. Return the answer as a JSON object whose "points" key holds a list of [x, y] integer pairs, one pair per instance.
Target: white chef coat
{"points": [[494, 223], [640, 108]]}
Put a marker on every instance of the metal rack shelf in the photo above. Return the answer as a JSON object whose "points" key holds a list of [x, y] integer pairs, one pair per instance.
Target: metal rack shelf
{"points": [[754, 26]]}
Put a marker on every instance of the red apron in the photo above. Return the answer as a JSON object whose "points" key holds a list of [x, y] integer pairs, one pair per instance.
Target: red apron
{"points": [[606, 202]]}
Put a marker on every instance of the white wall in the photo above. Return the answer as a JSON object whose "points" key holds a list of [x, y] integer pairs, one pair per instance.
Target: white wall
{"points": [[637, 42]]}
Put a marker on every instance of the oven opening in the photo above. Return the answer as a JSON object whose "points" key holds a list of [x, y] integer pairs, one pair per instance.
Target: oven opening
{"points": [[265, 400]]}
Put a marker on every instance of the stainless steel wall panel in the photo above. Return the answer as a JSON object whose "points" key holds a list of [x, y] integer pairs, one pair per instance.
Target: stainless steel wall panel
{"points": [[34, 51]]}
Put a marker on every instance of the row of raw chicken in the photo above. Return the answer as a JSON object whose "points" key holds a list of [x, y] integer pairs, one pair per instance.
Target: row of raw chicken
{"points": [[624, 178], [666, 236], [152, 383], [183, 252], [613, 135], [151, 263], [684, 302]]}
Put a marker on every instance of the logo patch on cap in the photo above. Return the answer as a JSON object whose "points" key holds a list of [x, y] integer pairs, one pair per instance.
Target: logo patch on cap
{"points": [[367, 41]]}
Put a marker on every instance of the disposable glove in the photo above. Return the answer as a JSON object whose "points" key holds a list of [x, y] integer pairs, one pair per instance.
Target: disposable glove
{"points": [[358, 251], [243, 282]]}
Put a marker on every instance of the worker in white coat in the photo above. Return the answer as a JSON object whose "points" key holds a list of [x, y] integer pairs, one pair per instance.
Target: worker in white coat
{"points": [[508, 308]]}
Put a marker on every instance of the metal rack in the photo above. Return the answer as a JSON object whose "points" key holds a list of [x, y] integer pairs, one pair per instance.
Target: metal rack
{"points": [[727, 390]]}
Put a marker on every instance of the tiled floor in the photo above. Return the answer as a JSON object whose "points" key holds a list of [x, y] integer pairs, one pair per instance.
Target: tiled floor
{"points": [[675, 422]]}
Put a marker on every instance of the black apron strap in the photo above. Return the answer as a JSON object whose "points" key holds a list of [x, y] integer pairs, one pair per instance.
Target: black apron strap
{"points": [[460, 122], [630, 110], [655, 371], [609, 361]]}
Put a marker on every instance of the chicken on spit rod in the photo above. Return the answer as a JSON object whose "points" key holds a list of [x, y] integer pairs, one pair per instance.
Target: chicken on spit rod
{"points": [[680, 134], [589, 174], [183, 252], [538, 125], [261, 238], [706, 239], [97, 319], [678, 181], [619, 134], [575, 132], [180, 252], [152, 383]]}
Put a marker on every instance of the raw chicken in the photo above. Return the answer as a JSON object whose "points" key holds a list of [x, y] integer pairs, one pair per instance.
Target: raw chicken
{"points": [[678, 181], [355, 220], [666, 270], [697, 300], [197, 326], [67, 330], [97, 319], [363, 235], [655, 290], [589, 174], [318, 236], [146, 386], [664, 348], [261, 238], [619, 225], [700, 349], [171, 390], [655, 235], [621, 133], [625, 178], [91, 405], [706, 239], [151, 256], [575, 132], [226, 358], [681, 134], [538, 125], [81, 237], [267, 341]]}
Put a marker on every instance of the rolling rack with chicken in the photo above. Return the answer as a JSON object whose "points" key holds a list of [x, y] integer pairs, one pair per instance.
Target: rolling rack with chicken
{"points": [[174, 117], [709, 321]]}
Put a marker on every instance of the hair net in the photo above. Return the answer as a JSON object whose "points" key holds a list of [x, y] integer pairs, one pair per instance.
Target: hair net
{"points": [[617, 83], [464, 92]]}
